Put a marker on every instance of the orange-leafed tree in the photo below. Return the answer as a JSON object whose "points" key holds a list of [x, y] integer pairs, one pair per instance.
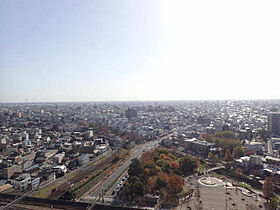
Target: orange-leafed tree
{"points": [[197, 162], [238, 170], [163, 176], [228, 156], [171, 156], [147, 157], [268, 188], [175, 184], [175, 165], [235, 153], [163, 156], [108, 171], [151, 182]]}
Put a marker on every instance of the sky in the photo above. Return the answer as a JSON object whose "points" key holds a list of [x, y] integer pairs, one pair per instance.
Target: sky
{"points": [[129, 50]]}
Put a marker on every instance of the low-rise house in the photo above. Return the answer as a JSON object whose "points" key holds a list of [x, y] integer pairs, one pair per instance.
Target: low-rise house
{"points": [[272, 160], [47, 176], [35, 183], [5, 187], [60, 170], [58, 158], [22, 182], [8, 172], [198, 146], [249, 162], [83, 159], [256, 146]]}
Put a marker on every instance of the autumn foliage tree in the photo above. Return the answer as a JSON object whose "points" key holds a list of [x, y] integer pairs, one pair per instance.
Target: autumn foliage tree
{"points": [[175, 184], [235, 153], [158, 172], [228, 156], [147, 157], [268, 188], [152, 182], [225, 140]]}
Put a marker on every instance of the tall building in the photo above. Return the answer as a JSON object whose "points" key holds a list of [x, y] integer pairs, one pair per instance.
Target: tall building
{"points": [[274, 123], [130, 113]]}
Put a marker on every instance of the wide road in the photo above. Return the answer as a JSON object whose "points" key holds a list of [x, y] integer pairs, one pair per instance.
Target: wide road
{"points": [[119, 171]]}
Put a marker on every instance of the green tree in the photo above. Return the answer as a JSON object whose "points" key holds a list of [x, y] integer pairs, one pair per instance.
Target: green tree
{"points": [[226, 135], [215, 158], [162, 151], [150, 165], [136, 188], [274, 201], [160, 183], [135, 168], [240, 151], [187, 165]]}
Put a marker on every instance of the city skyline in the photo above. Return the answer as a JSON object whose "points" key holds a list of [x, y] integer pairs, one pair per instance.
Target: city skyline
{"points": [[138, 51]]}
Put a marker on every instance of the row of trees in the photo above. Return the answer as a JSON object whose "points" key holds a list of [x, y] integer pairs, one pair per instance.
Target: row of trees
{"points": [[227, 140], [158, 172]]}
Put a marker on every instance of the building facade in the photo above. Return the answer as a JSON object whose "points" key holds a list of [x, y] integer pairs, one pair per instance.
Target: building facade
{"points": [[274, 123]]}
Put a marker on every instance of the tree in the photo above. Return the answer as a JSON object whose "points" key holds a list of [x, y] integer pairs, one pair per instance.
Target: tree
{"points": [[175, 184], [187, 165], [135, 168], [228, 156], [207, 137], [268, 188], [171, 156], [240, 151], [147, 157], [151, 182], [162, 151], [163, 176], [136, 188], [215, 158], [226, 135], [175, 165], [238, 170], [160, 183], [274, 201], [164, 164], [235, 153]]}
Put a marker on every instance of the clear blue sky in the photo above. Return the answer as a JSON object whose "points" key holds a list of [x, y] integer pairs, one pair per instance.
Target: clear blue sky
{"points": [[69, 50]]}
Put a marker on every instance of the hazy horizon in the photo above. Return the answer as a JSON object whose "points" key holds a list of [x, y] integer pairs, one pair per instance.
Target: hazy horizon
{"points": [[105, 51]]}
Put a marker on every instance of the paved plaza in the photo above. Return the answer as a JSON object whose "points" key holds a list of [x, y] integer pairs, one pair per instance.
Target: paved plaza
{"points": [[219, 197]]}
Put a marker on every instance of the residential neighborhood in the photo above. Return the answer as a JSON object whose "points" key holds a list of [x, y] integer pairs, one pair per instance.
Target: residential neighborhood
{"points": [[42, 144]]}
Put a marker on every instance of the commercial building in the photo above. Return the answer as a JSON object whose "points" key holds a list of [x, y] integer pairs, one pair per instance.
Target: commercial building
{"points": [[274, 123], [21, 183]]}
